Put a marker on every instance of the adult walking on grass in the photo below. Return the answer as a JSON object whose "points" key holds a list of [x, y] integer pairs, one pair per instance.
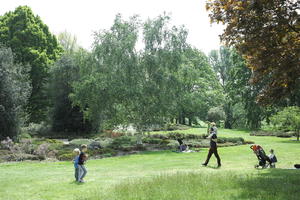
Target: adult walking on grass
{"points": [[213, 145]]}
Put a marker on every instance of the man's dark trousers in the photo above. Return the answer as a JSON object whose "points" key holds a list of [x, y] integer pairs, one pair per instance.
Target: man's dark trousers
{"points": [[213, 150]]}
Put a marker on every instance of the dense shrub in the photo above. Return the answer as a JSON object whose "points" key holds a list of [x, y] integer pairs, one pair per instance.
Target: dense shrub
{"points": [[272, 133], [66, 156], [285, 134], [215, 114], [41, 129], [263, 133], [160, 136], [123, 143], [150, 140], [231, 139], [113, 134], [14, 92], [78, 142], [176, 135]]}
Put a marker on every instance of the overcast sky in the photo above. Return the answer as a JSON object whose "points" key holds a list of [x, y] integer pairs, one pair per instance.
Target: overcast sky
{"points": [[83, 17]]}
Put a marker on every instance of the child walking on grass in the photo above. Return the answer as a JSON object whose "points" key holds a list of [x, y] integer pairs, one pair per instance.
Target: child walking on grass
{"points": [[76, 152], [273, 159], [81, 161]]}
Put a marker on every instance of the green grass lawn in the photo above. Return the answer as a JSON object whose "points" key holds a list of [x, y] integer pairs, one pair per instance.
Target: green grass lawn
{"points": [[162, 175]]}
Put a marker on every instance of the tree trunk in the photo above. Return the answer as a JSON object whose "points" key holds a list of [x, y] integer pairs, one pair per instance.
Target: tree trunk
{"points": [[183, 120], [229, 116], [190, 121], [228, 124], [297, 135]]}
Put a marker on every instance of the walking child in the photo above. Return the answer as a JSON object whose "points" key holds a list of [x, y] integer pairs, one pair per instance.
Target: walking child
{"points": [[272, 158], [81, 161], [76, 152]]}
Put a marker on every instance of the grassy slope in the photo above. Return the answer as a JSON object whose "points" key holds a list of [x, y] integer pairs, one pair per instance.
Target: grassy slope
{"points": [[55, 180]]}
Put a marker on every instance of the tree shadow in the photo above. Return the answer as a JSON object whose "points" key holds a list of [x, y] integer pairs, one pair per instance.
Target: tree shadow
{"points": [[291, 141], [275, 184]]}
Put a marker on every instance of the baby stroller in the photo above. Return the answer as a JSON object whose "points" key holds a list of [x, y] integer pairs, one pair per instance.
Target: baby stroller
{"points": [[264, 160]]}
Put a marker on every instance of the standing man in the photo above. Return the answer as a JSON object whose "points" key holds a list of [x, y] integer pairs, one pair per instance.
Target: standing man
{"points": [[213, 145]]}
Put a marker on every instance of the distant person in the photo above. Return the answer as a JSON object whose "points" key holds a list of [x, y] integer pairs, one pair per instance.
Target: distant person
{"points": [[76, 152], [182, 146], [213, 145], [273, 159], [81, 161]]}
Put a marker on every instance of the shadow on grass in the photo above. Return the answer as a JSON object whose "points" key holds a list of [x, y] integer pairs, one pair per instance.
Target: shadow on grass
{"points": [[279, 184], [212, 167], [75, 183], [291, 141]]}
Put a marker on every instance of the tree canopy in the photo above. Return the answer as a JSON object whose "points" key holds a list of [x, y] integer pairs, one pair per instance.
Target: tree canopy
{"points": [[267, 33], [33, 44], [14, 92]]}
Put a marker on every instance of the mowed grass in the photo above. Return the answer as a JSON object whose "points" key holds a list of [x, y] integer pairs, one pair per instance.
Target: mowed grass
{"points": [[162, 175]]}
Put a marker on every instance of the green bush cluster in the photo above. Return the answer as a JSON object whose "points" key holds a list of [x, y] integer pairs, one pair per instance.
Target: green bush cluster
{"points": [[176, 135], [78, 142], [124, 143], [272, 133], [235, 140], [66, 156]]}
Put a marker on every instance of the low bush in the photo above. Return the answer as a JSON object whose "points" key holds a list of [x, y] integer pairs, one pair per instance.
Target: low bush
{"points": [[285, 134], [176, 135], [263, 133], [124, 143], [79, 142], [66, 156], [20, 157], [272, 133], [248, 142], [235, 140], [113, 134], [150, 140], [37, 129], [160, 136], [105, 142], [23, 136]]}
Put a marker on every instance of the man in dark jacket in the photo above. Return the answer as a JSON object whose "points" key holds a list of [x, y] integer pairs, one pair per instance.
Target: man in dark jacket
{"points": [[213, 145]]}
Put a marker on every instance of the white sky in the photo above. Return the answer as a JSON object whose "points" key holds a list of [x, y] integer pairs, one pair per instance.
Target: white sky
{"points": [[83, 17]]}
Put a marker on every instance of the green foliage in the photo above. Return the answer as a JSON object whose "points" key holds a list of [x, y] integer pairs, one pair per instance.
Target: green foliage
{"points": [[165, 80], [14, 92], [287, 119], [78, 142], [240, 106], [65, 117], [66, 156], [215, 114], [34, 45], [199, 89], [125, 143], [236, 140], [34, 129], [267, 34]]}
